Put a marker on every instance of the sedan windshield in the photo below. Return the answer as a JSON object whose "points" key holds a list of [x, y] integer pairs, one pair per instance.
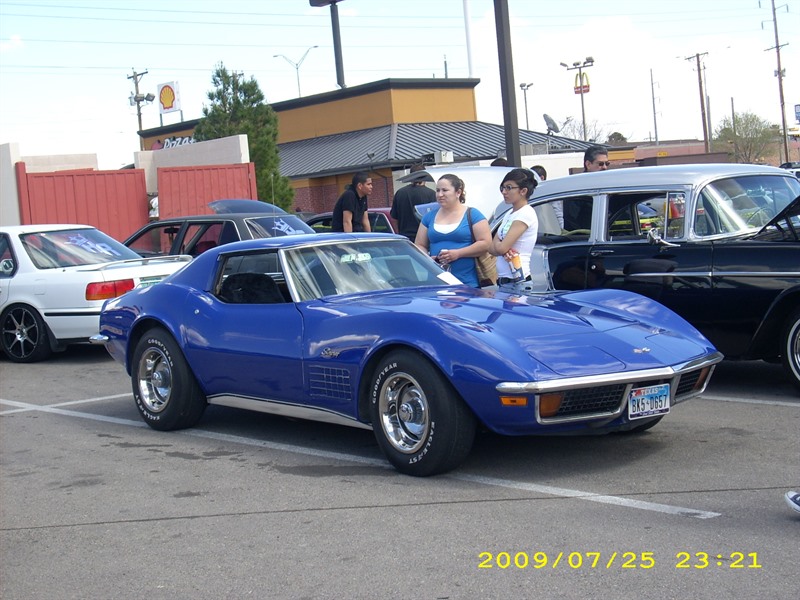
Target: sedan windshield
{"points": [[743, 204], [361, 266], [73, 248]]}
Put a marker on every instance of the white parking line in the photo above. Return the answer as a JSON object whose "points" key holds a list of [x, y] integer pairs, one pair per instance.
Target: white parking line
{"points": [[750, 401], [70, 403], [489, 481]]}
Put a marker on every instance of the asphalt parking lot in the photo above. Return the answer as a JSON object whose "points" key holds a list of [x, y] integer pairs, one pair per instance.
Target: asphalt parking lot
{"points": [[97, 505]]}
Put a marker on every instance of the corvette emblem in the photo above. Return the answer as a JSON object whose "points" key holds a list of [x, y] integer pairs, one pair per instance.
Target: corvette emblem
{"points": [[641, 350]]}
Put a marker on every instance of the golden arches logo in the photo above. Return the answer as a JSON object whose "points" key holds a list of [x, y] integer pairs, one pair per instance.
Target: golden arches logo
{"points": [[581, 83]]}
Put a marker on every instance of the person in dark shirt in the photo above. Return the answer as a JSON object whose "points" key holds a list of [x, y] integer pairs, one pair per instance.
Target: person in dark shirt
{"points": [[350, 212], [410, 196]]}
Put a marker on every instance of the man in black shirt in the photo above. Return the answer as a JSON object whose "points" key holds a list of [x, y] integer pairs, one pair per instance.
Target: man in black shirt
{"points": [[408, 197], [350, 212]]}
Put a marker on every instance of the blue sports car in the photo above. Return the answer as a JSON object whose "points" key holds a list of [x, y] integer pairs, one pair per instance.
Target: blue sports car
{"points": [[366, 330]]}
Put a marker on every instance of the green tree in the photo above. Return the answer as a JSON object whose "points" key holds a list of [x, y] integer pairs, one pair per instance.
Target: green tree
{"points": [[238, 107], [616, 139], [748, 137]]}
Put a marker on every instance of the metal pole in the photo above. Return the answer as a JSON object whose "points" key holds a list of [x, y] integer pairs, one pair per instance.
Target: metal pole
{"points": [[137, 98], [525, 96], [337, 45], [502, 25], [524, 87], [653, 94], [779, 74], [702, 98], [583, 110]]}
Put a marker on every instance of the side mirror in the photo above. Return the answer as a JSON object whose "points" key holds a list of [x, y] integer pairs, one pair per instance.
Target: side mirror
{"points": [[654, 237]]}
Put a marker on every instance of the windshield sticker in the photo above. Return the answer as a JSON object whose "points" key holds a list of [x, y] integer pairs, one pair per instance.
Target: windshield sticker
{"points": [[285, 228], [360, 257], [90, 246]]}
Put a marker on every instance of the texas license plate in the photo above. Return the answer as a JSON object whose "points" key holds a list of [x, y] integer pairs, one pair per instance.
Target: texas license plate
{"points": [[648, 401]]}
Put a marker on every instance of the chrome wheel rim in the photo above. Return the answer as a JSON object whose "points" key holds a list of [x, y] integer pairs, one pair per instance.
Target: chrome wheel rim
{"points": [[154, 379], [793, 349], [404, 413], [20, 332]]}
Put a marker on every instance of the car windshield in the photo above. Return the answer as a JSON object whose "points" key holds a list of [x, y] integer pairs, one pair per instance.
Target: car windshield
{"points": [[264, 227], [73, 248], [361, 266], [743, 204]]}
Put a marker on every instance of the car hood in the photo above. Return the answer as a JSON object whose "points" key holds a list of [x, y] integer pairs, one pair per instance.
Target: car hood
{"points": [[611, 330]]}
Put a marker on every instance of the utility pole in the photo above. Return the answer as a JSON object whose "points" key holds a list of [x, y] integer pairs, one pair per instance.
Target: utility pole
{"points": [[702, 97], [653, 94], [780, 74], [137, 99]]}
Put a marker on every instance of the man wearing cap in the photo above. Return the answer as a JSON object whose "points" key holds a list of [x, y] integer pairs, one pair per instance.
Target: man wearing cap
{"points": [[410, 196]]}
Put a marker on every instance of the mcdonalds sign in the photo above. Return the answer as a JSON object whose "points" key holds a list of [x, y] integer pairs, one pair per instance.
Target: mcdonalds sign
{"points": [[581, 83]]}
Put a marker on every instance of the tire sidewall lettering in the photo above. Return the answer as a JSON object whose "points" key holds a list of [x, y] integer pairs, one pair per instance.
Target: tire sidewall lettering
{"points": [[379, 379], [421, 454], [152, 342]]}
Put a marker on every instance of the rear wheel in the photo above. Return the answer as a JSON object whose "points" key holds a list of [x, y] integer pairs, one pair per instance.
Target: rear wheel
{"points": [[790, 348], [24, 334], [421, 424], [164, 387]]}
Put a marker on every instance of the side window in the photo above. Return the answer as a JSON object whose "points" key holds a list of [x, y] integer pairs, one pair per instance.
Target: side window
{"points": [[155, 241], [577, 214], [7, 262], [201, 237], [632, 215], [379, 223], [322, 225], [252, 279]]}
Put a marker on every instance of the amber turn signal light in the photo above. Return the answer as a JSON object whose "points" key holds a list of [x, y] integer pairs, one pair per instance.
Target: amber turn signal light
{"points": [[514, 400], [549, 404]]}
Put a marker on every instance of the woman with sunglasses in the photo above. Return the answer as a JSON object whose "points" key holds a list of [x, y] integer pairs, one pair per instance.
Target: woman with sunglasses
{"points": [[517, 233]]}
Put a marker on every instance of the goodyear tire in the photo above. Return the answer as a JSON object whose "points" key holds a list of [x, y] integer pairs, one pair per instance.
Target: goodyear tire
{"points": [[421, 424], [790, 348], [164, 388]]}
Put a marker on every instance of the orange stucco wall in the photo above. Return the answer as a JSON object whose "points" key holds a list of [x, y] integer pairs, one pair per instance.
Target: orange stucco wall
{"points": [[374, 110]]}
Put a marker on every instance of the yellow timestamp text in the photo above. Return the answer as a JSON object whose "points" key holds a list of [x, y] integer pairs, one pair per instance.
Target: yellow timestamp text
{"points": [[577, 560]]}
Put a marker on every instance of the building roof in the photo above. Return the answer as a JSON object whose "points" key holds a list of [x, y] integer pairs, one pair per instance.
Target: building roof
{"points": [[403, 144]]}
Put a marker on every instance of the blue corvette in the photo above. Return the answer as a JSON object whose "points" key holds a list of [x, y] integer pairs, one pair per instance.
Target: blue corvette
{"points": [[366, 330]]}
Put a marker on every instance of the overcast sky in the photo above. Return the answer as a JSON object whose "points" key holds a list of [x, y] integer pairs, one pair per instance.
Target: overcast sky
{"points": [[65, 64]]}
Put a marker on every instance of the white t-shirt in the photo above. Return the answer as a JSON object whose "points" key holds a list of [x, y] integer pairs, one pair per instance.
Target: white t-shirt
{"points": [[524, 244]]}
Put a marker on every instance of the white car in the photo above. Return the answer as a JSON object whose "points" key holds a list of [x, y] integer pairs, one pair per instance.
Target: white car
{"points": [[54, 280]]}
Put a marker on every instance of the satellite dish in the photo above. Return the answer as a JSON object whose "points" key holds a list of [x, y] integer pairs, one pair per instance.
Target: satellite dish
{"points": [[551, 124]]}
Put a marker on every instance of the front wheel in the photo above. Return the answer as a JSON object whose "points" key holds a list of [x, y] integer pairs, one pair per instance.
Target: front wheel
{"points": [[24, 334], [790, 348], [420, 422], [164, 387]]}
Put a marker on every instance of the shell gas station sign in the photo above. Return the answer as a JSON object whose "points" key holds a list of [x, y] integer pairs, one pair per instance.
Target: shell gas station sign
{"points": [[169, 99]]}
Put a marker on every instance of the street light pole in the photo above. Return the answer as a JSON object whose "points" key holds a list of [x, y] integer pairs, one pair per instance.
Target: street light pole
{"points": [[580, 88], [296, 65], [525, 87]]}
